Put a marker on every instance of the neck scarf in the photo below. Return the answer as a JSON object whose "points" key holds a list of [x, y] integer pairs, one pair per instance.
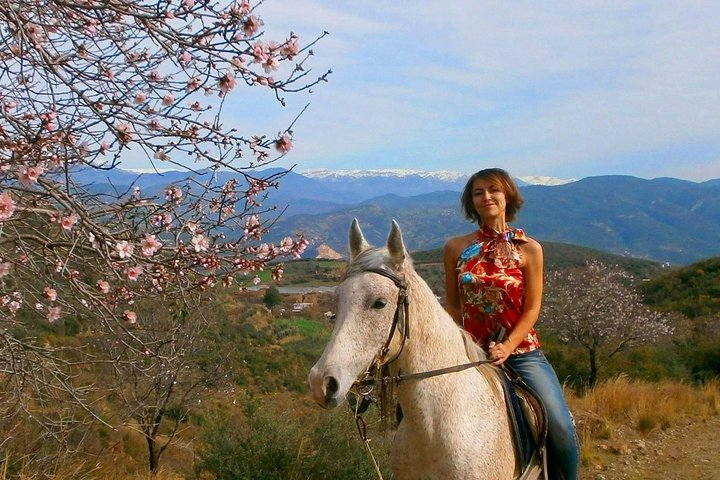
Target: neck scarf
{"points": [[500, 246]]}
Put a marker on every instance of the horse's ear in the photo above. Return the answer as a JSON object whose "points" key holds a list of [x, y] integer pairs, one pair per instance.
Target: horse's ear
{"points": [[357, 240], [395, 245]]}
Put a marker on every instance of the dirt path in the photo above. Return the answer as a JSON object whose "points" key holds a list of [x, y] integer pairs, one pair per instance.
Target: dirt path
{"points": [[689, 451]]}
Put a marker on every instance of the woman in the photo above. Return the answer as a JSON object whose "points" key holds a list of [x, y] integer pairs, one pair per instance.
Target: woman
{"points": [[493, 279]]}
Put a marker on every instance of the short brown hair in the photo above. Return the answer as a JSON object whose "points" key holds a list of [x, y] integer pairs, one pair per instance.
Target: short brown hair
{"points": [[501, 179]]}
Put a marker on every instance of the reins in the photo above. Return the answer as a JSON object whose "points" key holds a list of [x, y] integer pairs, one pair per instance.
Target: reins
{"points": [[396, 379]]}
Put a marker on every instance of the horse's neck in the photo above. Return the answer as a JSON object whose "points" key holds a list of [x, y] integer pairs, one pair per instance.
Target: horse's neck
{"points": [[435, 340]]}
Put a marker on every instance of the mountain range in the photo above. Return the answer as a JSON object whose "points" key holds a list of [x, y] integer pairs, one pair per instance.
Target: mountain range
{"points": [[664, 219]]}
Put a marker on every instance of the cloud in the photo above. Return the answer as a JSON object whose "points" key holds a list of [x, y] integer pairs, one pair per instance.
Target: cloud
{"points": [[546, 88]]}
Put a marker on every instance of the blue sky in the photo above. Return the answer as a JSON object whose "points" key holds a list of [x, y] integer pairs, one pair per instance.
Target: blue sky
{"points": [[557, 88]]}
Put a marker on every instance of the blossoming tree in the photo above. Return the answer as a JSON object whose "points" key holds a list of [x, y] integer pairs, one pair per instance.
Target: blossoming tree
{"points": [[85, 85], [596, 308]]}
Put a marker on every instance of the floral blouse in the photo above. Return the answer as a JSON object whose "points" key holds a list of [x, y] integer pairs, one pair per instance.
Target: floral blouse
{"points": [[492, 287]]}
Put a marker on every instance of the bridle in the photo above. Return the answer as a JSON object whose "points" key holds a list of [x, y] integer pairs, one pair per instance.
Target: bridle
{"points": [[375, 373]]}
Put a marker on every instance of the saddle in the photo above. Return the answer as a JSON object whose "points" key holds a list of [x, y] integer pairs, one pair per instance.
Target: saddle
{"points": [[528, 423]]}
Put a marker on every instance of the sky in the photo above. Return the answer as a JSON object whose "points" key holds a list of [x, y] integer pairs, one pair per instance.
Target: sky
{"points": [[553, 88]]}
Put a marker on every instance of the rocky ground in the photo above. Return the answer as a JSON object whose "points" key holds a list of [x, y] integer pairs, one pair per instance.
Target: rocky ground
{"points": [[688, 451]]}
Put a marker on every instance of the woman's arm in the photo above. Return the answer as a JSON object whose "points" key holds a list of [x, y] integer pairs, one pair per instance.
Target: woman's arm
{"points": [[532, 268]]}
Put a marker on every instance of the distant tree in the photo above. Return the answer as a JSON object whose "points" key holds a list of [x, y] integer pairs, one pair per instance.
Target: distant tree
{"points": [[597, 309], [272, 296], [85, 85]]}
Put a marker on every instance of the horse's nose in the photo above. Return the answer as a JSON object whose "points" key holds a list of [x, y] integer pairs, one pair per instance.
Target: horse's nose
{"points": [[324, 388], [330, 385]]}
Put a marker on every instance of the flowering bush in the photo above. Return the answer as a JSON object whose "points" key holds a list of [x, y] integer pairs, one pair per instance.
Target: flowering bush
{"points": [[597, 308]]}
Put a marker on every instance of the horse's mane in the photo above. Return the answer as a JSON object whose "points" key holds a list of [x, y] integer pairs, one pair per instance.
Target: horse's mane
{"points": [[375, 258]]}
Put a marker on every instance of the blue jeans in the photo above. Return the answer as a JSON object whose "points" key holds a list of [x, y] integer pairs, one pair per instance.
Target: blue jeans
{"points": [[562, 443]]}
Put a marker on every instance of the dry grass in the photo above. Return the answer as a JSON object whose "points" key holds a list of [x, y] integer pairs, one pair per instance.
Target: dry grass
{"points": [[622, 404]]}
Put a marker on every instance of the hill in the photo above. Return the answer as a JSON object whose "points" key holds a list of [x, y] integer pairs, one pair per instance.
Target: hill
{"points": [[693, 290]]}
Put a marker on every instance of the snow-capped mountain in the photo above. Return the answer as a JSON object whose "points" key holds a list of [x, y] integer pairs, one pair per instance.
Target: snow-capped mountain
{"points": [[543, 180], [443, 175], [450, 176]]}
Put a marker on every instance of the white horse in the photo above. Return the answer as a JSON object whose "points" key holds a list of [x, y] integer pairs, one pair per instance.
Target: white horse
{"points": [[454, 426]]}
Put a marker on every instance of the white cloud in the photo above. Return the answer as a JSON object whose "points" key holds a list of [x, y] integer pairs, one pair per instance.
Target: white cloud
{"points": [[545, 88]]}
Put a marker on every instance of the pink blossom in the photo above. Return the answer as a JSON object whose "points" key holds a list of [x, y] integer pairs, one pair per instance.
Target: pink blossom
{"points": [[9, 106], [290, 48], [48, 121], [252, 223], [124, 249], [251, 25], [14, 306], [188, 4], [5, 268], [259, 52], [193, 84], [185, 58], [7, 206], [134, 272], [200, 243], [30, 175], [244, 7], [154, 124], [263, 251], [54, 314], [195, 106], [130, 317], [124, 132], [69, 221], [286, 244], [173, 194], [150, 245], [168, 99], [238, 62], [271, 64], [161, 155], [103, 286], [226, 83], [50, 293], [284, 143], [154, 76], [104, 147], [140, 97]]}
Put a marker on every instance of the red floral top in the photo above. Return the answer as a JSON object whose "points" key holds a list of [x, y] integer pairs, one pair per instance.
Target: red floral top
{"points": [[492, 286]]}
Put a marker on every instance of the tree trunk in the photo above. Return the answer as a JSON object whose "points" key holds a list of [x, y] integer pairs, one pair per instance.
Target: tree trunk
{"points": [[593, 368], [153, 456]]}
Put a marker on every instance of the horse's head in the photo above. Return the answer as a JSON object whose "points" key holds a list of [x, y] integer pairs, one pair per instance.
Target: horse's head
{"points": [[366, 304]]}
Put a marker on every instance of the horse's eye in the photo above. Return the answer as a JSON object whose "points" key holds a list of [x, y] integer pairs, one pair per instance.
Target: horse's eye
{"points": [[379, 303]]}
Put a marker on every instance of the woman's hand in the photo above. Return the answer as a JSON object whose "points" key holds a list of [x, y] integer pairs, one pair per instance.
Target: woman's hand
{"points": [[498, 352]]}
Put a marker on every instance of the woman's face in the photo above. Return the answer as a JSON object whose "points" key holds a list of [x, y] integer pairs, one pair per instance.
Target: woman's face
{"points": [[488, 199]]}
